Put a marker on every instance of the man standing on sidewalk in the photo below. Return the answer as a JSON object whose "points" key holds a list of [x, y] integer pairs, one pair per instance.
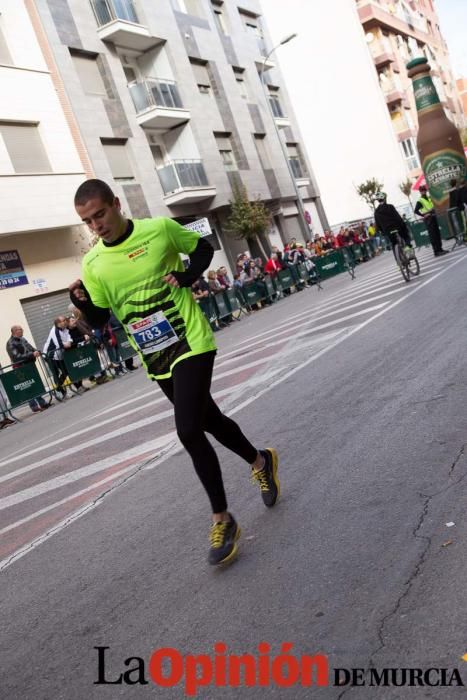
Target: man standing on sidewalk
{"points": [[136, 270], [21, 352], [426, 209]]}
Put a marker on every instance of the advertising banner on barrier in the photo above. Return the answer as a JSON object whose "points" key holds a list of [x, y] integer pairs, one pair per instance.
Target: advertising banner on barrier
{"points": [[82, 362], [22, 384], [125, 349]]}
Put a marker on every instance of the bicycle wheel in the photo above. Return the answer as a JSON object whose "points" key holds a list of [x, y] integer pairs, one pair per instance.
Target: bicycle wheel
{"points": [[413, 266], [402, 261]]}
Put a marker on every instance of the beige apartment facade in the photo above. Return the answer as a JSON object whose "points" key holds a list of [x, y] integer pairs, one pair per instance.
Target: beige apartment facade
{"points": [[395, 32], [165, 102]]}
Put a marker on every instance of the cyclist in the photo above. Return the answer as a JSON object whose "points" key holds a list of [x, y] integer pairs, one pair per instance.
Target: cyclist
{"points": [[388, 220], [135, 269]]}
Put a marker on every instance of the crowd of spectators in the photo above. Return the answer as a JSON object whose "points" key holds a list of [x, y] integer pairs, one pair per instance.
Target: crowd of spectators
{"points": [[68, 331], [250, 269]]}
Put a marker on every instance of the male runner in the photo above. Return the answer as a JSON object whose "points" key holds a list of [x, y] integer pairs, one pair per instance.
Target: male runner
{"points": [[135, 270]]}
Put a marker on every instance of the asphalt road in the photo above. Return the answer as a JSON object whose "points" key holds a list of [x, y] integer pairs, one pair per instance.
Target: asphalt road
{"points": [[361, 388]]}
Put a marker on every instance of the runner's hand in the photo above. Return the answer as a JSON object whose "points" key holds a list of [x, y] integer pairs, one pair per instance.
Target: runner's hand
{"points": [[170, 279], [76, 288]]}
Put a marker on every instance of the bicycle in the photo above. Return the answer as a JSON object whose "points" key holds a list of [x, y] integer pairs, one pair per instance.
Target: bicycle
{"points": [[408, 263]]}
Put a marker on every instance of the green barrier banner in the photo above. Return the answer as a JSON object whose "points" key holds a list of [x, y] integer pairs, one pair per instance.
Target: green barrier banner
{"points": [[208, 309], [419, 233], [231, 299], [124, 347], [252, 293], [285, 278], [81, 362], [222, 307], [330, 264], [22, 384]]}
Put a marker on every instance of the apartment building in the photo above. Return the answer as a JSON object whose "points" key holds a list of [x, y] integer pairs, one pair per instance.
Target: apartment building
{"points": [[42, 160], [171, 102], [396, 31]]}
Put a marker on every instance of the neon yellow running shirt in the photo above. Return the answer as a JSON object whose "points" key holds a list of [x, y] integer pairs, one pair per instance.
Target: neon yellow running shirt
{"points": [[163, 323]]}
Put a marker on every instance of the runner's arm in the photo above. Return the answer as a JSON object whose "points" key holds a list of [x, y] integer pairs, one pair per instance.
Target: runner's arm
{"points": [[199, 262], [94, 315]]}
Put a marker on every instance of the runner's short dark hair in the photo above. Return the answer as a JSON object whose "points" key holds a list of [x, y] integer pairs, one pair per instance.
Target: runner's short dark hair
{"points": [[93, 188]]}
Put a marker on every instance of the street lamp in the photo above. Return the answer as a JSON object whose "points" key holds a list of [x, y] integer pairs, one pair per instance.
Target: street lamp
{"points": [[303, 222]]}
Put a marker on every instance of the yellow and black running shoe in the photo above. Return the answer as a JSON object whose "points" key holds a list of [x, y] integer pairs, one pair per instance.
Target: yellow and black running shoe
{"points": [[267, 477], [223, 538]]}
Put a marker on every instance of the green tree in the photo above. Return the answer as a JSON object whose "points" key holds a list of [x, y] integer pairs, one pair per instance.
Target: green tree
{"points": [[367, 191], [406, 188], [247, 219]]}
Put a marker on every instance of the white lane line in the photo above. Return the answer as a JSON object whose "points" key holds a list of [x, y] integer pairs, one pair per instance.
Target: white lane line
{"points": [[64, 479], [307, 330], [76, 494], [284, 377], [340, 340]]}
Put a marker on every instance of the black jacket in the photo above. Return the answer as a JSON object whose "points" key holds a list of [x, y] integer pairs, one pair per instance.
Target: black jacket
{"points": [[19, 350], [387, 219]]}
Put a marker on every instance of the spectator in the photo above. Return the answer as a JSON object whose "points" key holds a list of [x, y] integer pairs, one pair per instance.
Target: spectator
{"points": [[273, 265], [4, 421], [111, 345], [129, 362], [58, 340], [200, 289], [213, 283], [21, 352], [223, 277]]}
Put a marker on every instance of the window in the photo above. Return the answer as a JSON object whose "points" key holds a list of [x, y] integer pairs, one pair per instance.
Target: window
{"points": [[410, 154], [88, 73], [117, 157], [240, 77], [202, 77], [260, 143], [25, 148], [4, 52], [294, 160], [219, 16], [275, 102], [225, 150], [252, 23]]}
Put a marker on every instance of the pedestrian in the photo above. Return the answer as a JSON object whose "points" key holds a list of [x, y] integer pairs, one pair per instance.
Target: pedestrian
{"points": [[21, 352], [426, 209], [58, 340], [136, 270]]}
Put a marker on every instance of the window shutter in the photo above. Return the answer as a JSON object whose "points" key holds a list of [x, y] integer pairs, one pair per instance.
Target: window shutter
{"points": [[89, 75], [118, 160], [201, 74], [25, 148]]}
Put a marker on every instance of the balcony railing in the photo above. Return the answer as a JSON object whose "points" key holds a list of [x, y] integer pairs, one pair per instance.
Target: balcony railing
{"points": [[110, 10], [182, 174], [154, 92]]}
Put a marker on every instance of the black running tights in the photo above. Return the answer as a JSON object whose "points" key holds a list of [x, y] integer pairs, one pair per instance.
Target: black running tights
{"points": [[196, 413]]}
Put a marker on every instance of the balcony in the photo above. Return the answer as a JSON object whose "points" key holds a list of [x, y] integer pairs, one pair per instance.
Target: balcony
{"points": [[373, 15], [118, 23], [184, 182], [383, 58], [158, 104], [394, 96]]}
